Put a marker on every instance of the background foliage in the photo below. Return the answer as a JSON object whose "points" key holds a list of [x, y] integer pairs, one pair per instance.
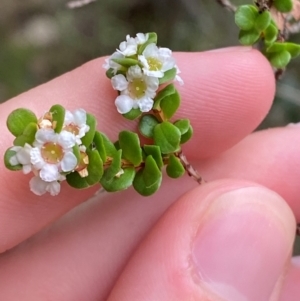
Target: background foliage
{"points": [[43, 39]]}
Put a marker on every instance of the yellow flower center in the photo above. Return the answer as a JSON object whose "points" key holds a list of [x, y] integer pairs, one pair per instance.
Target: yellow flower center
{"points": [[72, 128], [137, 88], [154, 64], [52, 153]]}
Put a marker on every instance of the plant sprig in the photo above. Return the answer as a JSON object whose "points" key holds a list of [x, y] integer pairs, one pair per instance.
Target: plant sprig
{"points": [[66, 146]]}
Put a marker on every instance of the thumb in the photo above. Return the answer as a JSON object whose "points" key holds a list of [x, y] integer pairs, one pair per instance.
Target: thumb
{"points": [[227, 240]]}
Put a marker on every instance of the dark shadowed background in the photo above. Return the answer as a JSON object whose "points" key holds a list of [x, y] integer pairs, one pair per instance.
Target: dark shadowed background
{"points": [[42, 39]]}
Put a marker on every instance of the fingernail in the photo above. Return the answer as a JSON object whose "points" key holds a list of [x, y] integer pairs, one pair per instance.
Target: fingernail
{"points": [[232, 49], [243, 244]]}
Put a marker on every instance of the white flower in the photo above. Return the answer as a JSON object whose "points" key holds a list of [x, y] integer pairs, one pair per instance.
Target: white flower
{"points": [[40, 187], [156, 60], [128, 47], [22, 157], [137, 90], [76, 123], [53, 154], [141, 38], [177, 77], [110, 64]]}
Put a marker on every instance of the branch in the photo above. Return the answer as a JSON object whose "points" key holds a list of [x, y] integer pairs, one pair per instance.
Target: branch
{"points": [[79, 3], [227, 4]]}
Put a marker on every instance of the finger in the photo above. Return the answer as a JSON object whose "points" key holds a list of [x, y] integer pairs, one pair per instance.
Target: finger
{"points": [[220, 95], [269, 157], [291, 288], [90, 260], [225, 241]]}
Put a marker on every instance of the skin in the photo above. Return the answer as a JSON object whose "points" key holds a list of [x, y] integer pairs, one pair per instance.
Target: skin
{"points": [[230, 239]]}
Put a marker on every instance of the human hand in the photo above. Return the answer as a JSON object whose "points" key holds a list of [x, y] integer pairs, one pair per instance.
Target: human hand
{"points": [[226, 240]]}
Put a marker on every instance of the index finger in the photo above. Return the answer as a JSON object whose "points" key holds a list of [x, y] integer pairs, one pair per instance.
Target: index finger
{"points": [[226, 95]]}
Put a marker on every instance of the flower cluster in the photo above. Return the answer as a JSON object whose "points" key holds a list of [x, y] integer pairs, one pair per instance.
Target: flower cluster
{"points": [[46, 148], [137, 69], [67, 146]]}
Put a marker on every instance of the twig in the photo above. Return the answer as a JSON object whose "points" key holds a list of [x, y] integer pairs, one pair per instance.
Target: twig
{"points": [[227, 4], [79, 3], [192, 172]]}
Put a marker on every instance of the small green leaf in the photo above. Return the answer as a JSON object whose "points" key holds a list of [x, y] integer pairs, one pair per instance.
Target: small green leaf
{"points": [[276, 47], [187, 136], [151, 172], [148, 180], [245, 17], [58, 117], [110, 73], [249, 37], [130, 144], [126, 62], [18, 119], [7, 156], [168, 76], [167, 136], [76, 152], [133, 114], [167, 91], [283, 6], [263, 20], [109, 147], [293, 49], [174, 168], [99, 144], [91, 121], [170, 104], [154, 151], [147, 124], [119, 183], [114, 167], [280, 59], [183, 125], [270, 34], [28, 135], [152, 39], [95, 172]]}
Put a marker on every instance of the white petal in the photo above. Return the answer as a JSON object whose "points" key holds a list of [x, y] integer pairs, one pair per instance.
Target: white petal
{"points": [[142, 38], [66, 139], [106, 64], [83, 130], [49, 173], [152, 84], [144, 61], [37, 186], [119, 82], [179, 79], [45, 135], [68, 162], [13, 161], [79, 117], [53, 188], [165, 52], [23, 155], [145, 104], [36, 158], [151, 51], [134, 72], [158, 74], [16, 148], [27, 169], [69, 118], [124, 104]]}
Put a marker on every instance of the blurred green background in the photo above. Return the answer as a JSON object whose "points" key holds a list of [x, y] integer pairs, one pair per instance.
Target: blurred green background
{"points": [[43, 39]]}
